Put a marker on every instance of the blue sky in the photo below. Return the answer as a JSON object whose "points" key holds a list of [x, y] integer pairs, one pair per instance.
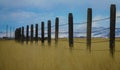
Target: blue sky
{"points": [[15, 13]]}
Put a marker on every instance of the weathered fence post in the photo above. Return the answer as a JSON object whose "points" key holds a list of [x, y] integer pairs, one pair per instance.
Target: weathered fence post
{"points": [[16, 34], [112, 28], [89, 28], [36, 33], [56, 29], [10, 32], [19, 33], [70, 22], [22, 34], [49, 32], [27, 34], [42, 32], [32, 33]]}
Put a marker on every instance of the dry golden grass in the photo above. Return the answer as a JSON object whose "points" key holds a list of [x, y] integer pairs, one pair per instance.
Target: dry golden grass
{"points": [[17, 56]]}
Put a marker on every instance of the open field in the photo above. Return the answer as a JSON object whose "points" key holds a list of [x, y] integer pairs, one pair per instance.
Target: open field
{"points": [[17, 56]]}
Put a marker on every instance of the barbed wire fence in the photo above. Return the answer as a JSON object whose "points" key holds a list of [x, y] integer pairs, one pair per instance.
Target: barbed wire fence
{"points": [[72, 30], [66, 24], [12, 29]]}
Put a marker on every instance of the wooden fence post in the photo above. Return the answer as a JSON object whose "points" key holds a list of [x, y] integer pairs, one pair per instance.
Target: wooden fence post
{"points": [[19, 34], [15, 33], [22, 34], [27, 34], [56, 29], [36, 33], [89, 28], [49, 32], [112, 28], [70, 22], [42, 32], [32, 33]]}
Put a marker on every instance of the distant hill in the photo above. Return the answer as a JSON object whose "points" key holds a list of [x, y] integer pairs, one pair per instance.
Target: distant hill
{"points": [[104, 32], [96, 32], [79, 32]]}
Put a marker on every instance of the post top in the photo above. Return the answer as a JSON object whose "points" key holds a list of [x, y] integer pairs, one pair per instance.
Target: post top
{"points": [[57, 18], [49, 21], [42, 22], [113, 4], [89, 8], [70, 14]]}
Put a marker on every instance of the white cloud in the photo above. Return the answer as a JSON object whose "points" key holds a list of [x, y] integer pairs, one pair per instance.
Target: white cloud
{"points": [[24, 17], [105, 23], [101, 23], [18, 15], [118, 20], [118, 13]]}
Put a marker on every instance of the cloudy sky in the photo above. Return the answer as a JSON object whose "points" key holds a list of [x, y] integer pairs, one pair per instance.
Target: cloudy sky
{"points": [[15, 13]]}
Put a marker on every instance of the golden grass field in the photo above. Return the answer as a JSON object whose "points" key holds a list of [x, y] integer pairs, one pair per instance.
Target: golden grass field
{"points": [[17, 56]]}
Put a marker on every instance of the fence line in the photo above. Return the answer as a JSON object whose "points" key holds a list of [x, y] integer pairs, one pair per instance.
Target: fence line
{"points": [[70, 29], [84, 22], [81, 22]]}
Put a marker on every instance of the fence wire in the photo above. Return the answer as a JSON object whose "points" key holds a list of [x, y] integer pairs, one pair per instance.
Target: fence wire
{"points": [[82, 22], [96, 32]]}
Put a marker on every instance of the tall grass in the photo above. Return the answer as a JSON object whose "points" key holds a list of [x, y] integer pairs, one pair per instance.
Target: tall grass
{"points": [[17, 56]]}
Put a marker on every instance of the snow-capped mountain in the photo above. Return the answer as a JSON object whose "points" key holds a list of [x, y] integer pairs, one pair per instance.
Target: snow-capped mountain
{"points": [[104, 32], [96, 32], [78, 32]]}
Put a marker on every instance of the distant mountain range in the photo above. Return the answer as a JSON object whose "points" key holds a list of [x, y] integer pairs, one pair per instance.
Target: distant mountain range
{"points": [[96, 32], [79, 32], [104, 32]]}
